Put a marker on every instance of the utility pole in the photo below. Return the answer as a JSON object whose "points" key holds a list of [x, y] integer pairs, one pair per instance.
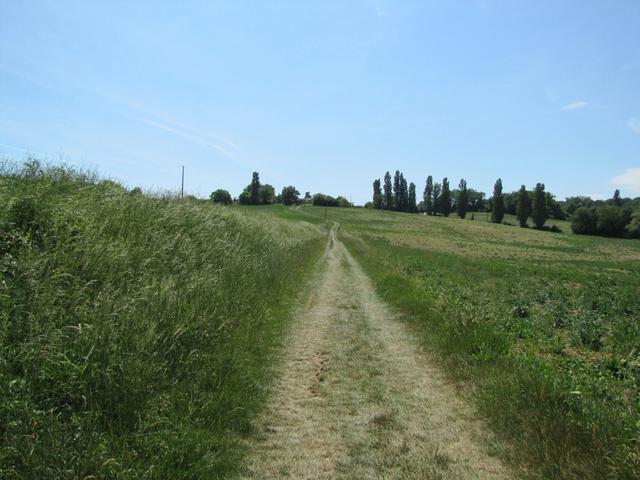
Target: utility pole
{"points": [[182, 186]]}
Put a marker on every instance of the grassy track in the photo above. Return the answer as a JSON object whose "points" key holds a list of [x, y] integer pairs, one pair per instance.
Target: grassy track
{"points": [[136, 334], [541, 329]]}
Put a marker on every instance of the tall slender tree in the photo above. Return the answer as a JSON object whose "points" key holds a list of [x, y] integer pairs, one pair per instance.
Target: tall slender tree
{"points": [[539, 210], [616, 198], [462, 202], [254, 189], [403, 204], [412, 198], [445, 198], [437, 190], [523, 208], [428, 196], [396, 190], [388, 192], [377, 194], [497, 212]]}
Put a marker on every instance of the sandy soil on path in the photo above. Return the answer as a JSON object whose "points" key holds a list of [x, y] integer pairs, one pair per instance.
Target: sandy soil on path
{"points": [[356, 397]]}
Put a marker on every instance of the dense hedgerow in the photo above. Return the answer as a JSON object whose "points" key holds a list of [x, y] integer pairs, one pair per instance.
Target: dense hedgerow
{"points": [[135, 332]]}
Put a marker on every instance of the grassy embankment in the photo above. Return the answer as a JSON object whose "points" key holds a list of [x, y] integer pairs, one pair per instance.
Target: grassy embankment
{"points": [[136, 333], [541, 329]]}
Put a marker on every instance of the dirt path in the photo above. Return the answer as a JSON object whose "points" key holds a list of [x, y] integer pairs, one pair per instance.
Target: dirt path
{"points": [[357, 398]]}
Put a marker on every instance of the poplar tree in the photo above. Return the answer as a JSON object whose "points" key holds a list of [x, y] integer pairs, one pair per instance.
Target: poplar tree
{"points": [[616, 198], [428, 196], [523, 208], [396, 190], [539, 211], [377, 194], [254, 189], [462, 202], [388, 192], [412, 198], [497, 212], [445, 198], [437, 188], [403, 203]]}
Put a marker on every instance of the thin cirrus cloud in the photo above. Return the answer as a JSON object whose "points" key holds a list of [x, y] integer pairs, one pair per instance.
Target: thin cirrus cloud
{"points": [[634, 125], [137, 113], [575, 105], [628, 180]]}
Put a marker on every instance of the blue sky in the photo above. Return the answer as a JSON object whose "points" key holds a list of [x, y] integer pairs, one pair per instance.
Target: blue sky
{"points": [[327, 95]]}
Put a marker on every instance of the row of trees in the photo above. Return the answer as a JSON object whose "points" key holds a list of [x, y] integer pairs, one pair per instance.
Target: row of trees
{"points": [[439, 199], [257, 193], [397, 196]]}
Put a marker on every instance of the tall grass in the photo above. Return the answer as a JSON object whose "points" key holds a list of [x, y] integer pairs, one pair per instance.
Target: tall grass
{"points": [[136, 333]]}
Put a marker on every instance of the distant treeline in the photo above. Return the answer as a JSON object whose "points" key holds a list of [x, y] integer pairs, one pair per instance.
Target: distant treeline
{"points": [[617, 217], [257, 193]]}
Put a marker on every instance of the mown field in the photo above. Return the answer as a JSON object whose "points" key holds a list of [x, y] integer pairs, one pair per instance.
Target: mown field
{"points": [[137, 334], [541, 329]]}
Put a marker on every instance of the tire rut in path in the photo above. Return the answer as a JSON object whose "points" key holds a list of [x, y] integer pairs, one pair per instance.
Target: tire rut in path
{"points": [[356, 397]]}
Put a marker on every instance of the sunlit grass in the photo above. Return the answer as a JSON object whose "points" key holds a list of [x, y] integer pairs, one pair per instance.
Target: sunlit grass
{"points": [[136, 333], [541, 329]]}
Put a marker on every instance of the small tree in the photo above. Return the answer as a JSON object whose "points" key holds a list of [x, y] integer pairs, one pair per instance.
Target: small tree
{"points": [[539, 211], [267, 194], [428, 196], [462, 202], [634, 225], [289, 195], [497, 212], [378, 199], [254, 189], [388, 192], [221, 196], [445, 198], [244, 198], [583, 221], [523, 208]]}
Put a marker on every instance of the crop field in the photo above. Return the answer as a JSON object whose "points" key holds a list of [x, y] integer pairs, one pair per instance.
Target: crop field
{"points": [[541, 330], [136, 333]]}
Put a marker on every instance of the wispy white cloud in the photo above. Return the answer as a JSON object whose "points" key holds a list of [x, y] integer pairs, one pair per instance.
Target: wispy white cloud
{"points": [[141, 114], [628, 180], [634, 125], [575, 105]]}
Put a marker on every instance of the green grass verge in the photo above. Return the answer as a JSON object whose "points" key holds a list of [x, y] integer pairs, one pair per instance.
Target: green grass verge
{"points": [[137, 334]]}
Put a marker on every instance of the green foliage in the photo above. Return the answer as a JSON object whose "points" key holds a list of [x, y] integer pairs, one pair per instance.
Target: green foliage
{"points": [[221, 196], [607, 220], [462, 202], [634, 224], [444, 199], [428, 196], [266, 194], [539, 210], [322, 200], [378, 199], [254, 189], [497, 211], [388, 192], [244, 198], [136, 333], [412, 207], [289, 195], [583, 221], [523, 209]]}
